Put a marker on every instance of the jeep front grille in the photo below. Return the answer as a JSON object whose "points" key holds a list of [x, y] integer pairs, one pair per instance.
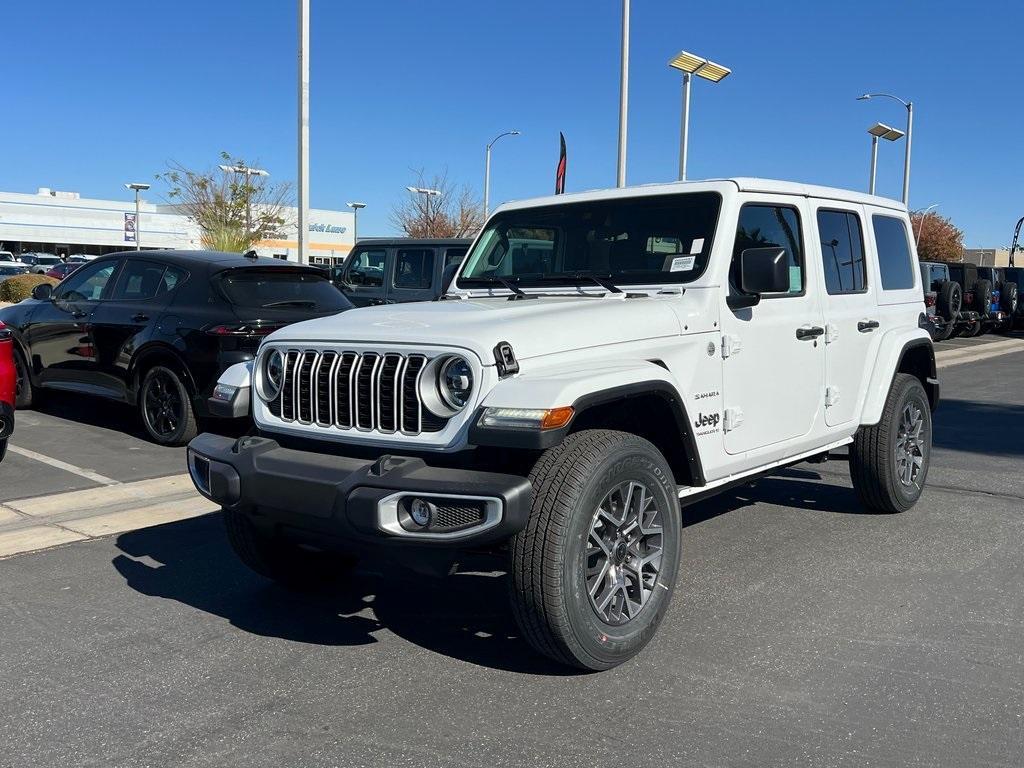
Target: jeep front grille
{"points": [[365, 391]]}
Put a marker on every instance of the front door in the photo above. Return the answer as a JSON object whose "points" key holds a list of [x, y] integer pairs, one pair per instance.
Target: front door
{"points": [[363, 278], [773, 370], [414, 275]]}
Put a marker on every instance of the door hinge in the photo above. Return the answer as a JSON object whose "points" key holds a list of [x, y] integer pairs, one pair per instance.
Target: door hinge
{"points": [[731, 345], [831, 332], [831, 396], [733, 418]]}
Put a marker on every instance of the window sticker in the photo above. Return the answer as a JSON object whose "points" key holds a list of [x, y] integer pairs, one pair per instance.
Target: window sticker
{"points": [[682, 264], [697, 246], [795, 284]]}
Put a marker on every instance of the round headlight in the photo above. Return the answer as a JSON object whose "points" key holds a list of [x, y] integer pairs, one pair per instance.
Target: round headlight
{"points": [[455, 382], [273, 375]]}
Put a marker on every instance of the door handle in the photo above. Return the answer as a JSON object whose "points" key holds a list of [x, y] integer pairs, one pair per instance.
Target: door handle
{"points": [[866, 326], [809, 332], [139, 318], [78, 314]]}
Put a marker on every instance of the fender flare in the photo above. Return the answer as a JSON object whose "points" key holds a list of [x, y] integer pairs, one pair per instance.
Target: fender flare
{"points": [[888, 363], [157, 349]]}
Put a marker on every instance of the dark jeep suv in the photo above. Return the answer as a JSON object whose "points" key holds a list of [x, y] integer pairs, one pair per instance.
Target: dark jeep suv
{"points": [[943, 299], [397, 270], [1004, 297]]}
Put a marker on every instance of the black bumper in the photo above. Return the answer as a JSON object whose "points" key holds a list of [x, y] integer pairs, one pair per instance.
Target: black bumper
{"points": [[6, 420], [343, 502]]}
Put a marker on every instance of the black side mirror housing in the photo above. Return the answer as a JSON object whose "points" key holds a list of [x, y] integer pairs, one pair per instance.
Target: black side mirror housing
{"points": [[762, 270], [42, 292], [448, 275]]}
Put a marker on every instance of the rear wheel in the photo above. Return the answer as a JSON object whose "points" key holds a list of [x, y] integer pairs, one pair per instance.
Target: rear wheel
{"points": [[166, 407], [947, 329], [889, 460], [283, 561], [594, 570], [972, 329], [1008, 298]]}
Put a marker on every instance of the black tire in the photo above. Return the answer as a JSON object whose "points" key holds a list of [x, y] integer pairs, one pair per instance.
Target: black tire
{"points": [[949, 300], [973, 329], [1008, 298], [283, 561], [554, 556], [166, 407], [3, 448], [983, 297], [875, 454], [24, 393], [948, 328]]}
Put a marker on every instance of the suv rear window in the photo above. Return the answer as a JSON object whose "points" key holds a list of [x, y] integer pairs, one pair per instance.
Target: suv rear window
{"points": [[281, 288], [894, 261]]}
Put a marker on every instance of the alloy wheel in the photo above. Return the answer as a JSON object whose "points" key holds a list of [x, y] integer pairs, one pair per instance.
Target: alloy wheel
{"points": [[622, 559], [163, 404], [910, 444]]}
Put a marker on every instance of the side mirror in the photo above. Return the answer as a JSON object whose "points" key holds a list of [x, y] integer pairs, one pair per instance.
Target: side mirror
{"points": [[42, 292], [762, 270], [448, 275]]}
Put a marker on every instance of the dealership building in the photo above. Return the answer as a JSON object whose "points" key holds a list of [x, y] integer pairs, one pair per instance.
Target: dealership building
{"points": [[65, 223]]}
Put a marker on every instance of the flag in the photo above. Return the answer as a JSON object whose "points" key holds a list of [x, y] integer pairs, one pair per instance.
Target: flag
{"points": [[560, 172]]}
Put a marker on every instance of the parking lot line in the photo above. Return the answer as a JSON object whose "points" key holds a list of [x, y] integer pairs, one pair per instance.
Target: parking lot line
{"points": [[948, 357], [36, 537], [88, 474]]}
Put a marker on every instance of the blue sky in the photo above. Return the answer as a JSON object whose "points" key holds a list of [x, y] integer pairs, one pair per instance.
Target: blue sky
{"points": [[101, 93]]}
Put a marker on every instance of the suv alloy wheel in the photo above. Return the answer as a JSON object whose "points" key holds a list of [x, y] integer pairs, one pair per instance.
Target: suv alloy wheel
{"points": [[166, 407], [594, 569]]}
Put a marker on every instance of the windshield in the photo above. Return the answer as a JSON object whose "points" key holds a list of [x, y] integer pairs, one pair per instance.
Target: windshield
{"points": [[634, 241], [282, 288]]}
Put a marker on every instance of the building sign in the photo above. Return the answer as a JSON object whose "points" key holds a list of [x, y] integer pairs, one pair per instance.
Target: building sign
{"points": [[129, 227], [333, 229]]}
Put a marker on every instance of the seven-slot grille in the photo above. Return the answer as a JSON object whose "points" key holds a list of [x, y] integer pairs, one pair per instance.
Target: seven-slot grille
{"points": [[368, 391]]}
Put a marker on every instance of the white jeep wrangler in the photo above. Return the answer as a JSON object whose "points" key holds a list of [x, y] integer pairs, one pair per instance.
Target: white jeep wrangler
{"points": [[599, 360]]}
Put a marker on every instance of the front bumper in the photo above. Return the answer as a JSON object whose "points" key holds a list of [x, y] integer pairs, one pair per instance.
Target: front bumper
{"points": [[6, 420], [342, 502]]}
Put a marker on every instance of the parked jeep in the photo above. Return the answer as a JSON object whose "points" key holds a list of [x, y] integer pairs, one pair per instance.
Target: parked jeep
{"points": [[943, 299], [1004, 298], [600, 360], [977, 300], [397, 270], [1016, 275]]}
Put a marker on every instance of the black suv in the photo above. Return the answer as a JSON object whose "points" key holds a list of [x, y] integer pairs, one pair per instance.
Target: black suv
{"points": [[943, 300], [397, 270], [157, 328], [1004, 297], [977, 301], [1016, 275]]}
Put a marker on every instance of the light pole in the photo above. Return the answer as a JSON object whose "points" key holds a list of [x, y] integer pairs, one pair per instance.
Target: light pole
{"points": [[920, 227], [248, 173], [355, 220], [303, 174], [690, 64], [138, 187], [427, 194], [879, 131], [910, 135], [487, 171], [620, 176]]}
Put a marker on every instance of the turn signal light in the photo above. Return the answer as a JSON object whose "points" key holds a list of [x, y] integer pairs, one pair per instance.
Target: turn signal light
{"points": [[556, 417], [527, 418]]}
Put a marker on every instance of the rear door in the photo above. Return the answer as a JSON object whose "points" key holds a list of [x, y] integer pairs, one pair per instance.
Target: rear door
{"points": [[414, 275], [851, 330], [362, 280]]}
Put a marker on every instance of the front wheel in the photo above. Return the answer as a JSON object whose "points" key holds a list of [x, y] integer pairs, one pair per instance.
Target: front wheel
{"points": [[24, 393], [166, 408], [594, 570], [889, 460]]}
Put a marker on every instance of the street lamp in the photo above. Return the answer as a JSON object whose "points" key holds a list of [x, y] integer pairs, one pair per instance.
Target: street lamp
{"points": [[690, 65], [879, 131], [138, 186], [355, 220], [487, 170], [247, 172], [620, 174], [910, 135], [427, 194], [920, 227]]}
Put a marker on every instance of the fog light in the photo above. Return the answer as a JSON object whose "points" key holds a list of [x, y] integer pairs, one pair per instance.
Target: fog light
{"points": [[421, 511]]}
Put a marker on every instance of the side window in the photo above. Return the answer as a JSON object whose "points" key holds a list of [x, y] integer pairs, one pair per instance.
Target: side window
{"points": [[842, 252], [895, 264], [87, 283], [771, 226], [414, 268], [454, 256], [366, 268], [139, 281], [173, 277]]}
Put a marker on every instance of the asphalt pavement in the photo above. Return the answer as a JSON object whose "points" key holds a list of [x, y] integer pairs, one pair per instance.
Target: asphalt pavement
{"points": [[803, 632]]}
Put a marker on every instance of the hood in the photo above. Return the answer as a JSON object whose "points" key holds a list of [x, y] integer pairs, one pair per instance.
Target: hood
{"points": [[541, 326]]}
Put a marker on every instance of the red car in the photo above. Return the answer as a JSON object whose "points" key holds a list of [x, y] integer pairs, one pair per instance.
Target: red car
{"points": [[8, 380], [63, 270]]}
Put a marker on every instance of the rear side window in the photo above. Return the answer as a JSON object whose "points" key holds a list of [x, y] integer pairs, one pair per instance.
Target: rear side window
{"points": [[414, 267], [895, 264], [366, 268], [262, 288], [139, 280], [454, 256], [771, 226], [842, 252]]}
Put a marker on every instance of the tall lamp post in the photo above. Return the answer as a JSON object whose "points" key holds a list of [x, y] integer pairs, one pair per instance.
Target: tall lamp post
{"points": [[487, 170], [248, 172], [620, 175], [138, 187], [303, 174], [427, 194], [879, 131], [355, 220], [910, 135], [920, 227], [690, 64]]}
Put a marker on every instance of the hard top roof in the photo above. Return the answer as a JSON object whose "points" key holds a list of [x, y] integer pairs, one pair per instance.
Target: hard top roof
{"points": [[217, 260], [407, 241]]}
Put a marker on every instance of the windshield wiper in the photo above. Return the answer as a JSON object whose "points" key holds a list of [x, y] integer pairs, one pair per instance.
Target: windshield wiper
{"points": [[603, 281], [517, 292], [291, 303]]}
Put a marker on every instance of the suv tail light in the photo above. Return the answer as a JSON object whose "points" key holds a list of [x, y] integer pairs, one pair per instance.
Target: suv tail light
{"points": [[930, 299]]}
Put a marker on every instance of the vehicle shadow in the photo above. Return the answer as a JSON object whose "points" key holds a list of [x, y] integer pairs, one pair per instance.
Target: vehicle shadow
{"points": [[979, 427]]}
